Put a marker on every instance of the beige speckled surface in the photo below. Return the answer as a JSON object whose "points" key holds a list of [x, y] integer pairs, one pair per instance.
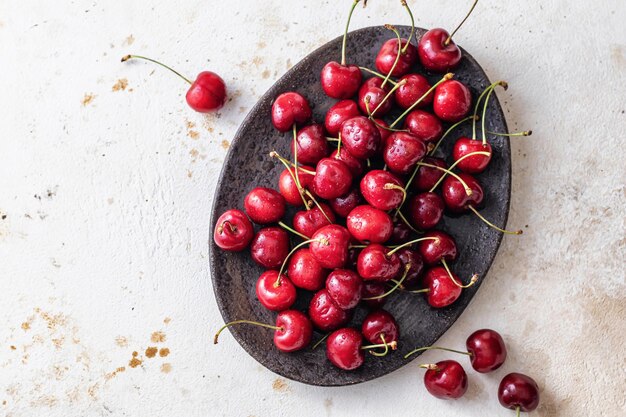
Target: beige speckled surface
{"points": [[106, 181]]}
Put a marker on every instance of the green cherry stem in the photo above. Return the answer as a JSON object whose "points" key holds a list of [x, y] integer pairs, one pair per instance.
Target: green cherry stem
{"points": [[287, 165], [405, 221], [397, 248], [408, 41], [393, 345], [446, 77], [493, 226], [447, 41], [517, 411], [127, 57], [450, 129], [524, 133], [345, 33], [378, 74], [503, 84], [295, 155], [397, 285], [391, 186], [295, 232], [382, 336], [308, 193], [395, 87], [472, 280], [320, 341], [393, 67], [256, 323], [332, 139], [282, 267], [468, 190], [422, 349], [381, 126], [455, 164]]}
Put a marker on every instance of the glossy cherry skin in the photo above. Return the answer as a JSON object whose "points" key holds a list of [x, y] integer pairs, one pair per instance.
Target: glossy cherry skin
{"points": [[414, 259], [275, 297], [452, 101], [343, 349], [233, 231], [375, 264], [360, 137], [401, 233], [295, 331], [518, 390], [305, 272], [373, 89], [389, 52], [374, 289], [340, 81], [312, 144], [441, 290], [264, 205], [369, 224], [355, 165], [424, 126], [339, 113], [474, 164], [290, 108], [384, 133], [448, 381], [415, 87], [344, 287], [270, 247], [426, 210], [310, 221], [330, 246], [207, 93], [434, 54], [487, 349], [455, 197], [325, 314], [427, 177], [343, 205], [288, 188], [402, 151], [373, 189], [332, 178], [433, 251], [380, 323]]}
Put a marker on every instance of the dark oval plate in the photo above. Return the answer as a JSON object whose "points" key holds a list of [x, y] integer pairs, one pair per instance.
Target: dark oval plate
{"points": [[248, 165]]}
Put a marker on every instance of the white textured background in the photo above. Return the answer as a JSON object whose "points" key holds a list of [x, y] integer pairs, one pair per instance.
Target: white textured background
{"points": [[106, 181]]}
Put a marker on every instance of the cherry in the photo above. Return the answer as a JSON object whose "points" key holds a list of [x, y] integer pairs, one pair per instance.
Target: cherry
{"points": [[445, 379], [264, 205], [518, 392], [233, 231], [380, 326], [288, 187], [474, 164], [360, 137], [441, 290], [382, 189], [307, 222], [332, 178], [275, 293], [343, 205], [426, 210], [402, 151], [312, 144], [487, 350], [339, 113], [325, 314], [293, 330], [372, 294], [207, 92], [372, 98], [343, 349], [344, 287], [455, 194], [382, 127], [426, 176], [270, 247], [401, 233], [288, 109], [452, 101], [330, 246], [424, 125], [376, 263], [433, 251], [387, 57], [414, 87], [305, 272], [416, 266], [369, 224], [355, 165]]}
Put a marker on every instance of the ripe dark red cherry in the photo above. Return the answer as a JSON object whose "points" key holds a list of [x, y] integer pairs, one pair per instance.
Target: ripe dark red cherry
{"points": [[343, 349], [310, 221], [433, 251], [487, 350], [387, 56], [379, 324], [343, 205], [372, 292], [375, 263], [518, 392], [441, 290], [360, 137], [435, 55], [264, 205], [445, 380], [332, 178], [382, 189], [401, 233], [355, 165], [452, 101], [270, 247], [295, 331], [288, 109], [414, 87], [305, 272], [344, 287], [339, 113], [369, 224], [275, 294], [312, 144], [426, 210], [427, 177], [455, 196], [325, 314], [330, 246], [233, 231], [288, 188], [424, 126], [402, 151], [416, 266], [340, 81], [373, 91], [474, 164]]}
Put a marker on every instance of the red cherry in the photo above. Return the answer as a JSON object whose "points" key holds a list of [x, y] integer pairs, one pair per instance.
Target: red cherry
{"points": [[382, 189], [372, 292], [305, 272], [355, 165], [379, 324], [446, 380], [369, 224], [295, 331], [310, 221], [275, 294], [375, 263], [373, 91], [427, 177], [330, 246], [340, 81], [343, 205], [288, 109], [360, 137], [474, 164], [416, 266], [455, 195], [435, 55], [402, 152], [426, 210], [312, 144], [288, 188], [332, 178], [401, 233], [233, 231], [325, 314], [452, 101], [518, 392], [264, 205], [339, 113], [270, 247], [441, 290], [433, 251], [343, 349], [414, 87], [487, 350], [387, 56], [384, 133], [423, 125], [344, 287]]}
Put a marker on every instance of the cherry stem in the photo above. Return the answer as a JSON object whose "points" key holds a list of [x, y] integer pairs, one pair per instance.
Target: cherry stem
{"points": [[429, 366], [405, 221], [408, 41], [127, 57], [382, 336], [295, 155], [468, 190], [378, 74], [476, 106], [423, 290], [332, 139], [320, 341], [256, 323], [384, 127], [287, 165], [419, 100], [391, 186], [232, 228], [472, 280], [517, 411], [456, 163], [482, 127], [397, 285], [422, 349], [395, 87], [282, 267], [493, 226], [308, 193], [393, 345], [447, 41], [393, 67], [295, 232], [524, 133], [450, 129], [397, 248], [345, 33], [338, 143]]}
